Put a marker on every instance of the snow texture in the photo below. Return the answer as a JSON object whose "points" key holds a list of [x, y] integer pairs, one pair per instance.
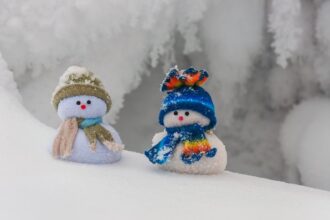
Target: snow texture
{"points": [[283, 86], [322, 65], [230, 55], [7, 79], [284, 23], [35, 186], [305, 141]]}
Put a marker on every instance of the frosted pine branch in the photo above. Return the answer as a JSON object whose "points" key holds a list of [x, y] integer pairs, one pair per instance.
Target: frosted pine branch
{"points": [[283, 23]]}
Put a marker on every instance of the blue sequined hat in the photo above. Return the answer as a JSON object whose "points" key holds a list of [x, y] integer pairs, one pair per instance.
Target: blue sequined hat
{"points": [[184, 92]]}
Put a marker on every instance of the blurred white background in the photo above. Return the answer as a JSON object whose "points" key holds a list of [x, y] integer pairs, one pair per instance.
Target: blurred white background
{"points": [[268, 62]]}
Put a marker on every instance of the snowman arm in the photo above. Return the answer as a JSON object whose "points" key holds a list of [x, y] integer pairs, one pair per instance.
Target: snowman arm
{"points": [[158, 137]]}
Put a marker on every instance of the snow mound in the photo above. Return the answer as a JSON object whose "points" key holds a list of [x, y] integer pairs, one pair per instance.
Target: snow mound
{"points": [[35, 186], [7, 78], [305, 143]]}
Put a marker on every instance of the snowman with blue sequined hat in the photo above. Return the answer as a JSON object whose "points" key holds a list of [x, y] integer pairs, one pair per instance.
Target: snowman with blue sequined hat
{"points": [[188, 144], [81, 102]]}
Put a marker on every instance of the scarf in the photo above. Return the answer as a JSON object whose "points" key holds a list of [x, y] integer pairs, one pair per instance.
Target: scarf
{"points": [[195, 145], [62, 146], [94, 131]]}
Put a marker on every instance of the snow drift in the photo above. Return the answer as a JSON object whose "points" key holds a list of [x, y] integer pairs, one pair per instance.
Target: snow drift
{"points": [[306, 143]]}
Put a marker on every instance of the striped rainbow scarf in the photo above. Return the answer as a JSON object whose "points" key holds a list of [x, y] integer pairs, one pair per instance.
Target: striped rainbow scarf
{"points": [[195, 145]]}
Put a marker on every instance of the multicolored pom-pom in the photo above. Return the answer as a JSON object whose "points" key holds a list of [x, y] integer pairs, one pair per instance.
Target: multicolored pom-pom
{"points": [[189, 77]]}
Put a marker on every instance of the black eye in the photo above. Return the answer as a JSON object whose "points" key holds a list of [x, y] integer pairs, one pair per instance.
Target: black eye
{"points": [[89, 102], [175, 112], [78, 102], [186, 113]]}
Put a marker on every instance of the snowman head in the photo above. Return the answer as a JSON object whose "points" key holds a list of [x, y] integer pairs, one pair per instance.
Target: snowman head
{"points": [[186, 102], [80, 94], [81, 107], [184, 117]]}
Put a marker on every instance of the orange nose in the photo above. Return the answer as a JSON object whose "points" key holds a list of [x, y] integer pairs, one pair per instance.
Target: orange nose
{"points": [[83, 107], [180, 118]]}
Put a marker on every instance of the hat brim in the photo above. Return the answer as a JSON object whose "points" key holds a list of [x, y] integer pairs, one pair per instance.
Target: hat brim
{"points": [[78, 90]]}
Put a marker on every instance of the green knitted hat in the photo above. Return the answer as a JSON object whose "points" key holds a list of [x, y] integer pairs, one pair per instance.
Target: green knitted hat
{"points": [[78, 81]]}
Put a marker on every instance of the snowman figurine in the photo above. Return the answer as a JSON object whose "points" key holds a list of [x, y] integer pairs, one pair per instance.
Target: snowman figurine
{"points": [[81, 101], [188, 144]]}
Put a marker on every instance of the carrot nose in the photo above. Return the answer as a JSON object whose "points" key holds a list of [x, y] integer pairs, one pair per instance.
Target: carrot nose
{"points": [[180, 118], [83, 107]]}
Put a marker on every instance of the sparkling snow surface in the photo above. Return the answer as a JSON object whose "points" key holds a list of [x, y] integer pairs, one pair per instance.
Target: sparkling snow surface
{"points": [[35, 186]]}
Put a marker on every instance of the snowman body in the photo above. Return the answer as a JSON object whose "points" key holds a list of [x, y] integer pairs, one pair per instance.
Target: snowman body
{"points": [[82, 152], [206, 165], [88, 107]]}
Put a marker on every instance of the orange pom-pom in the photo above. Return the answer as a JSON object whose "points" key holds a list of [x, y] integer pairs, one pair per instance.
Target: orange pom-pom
{"points": [[189, 77]]}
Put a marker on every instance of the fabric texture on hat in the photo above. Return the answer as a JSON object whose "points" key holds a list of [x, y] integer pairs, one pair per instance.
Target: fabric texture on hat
{"points": [[193, 98], [77, 81]]}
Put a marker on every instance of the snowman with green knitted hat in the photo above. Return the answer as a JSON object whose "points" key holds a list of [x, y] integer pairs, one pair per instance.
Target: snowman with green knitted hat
{"points": [[81, 101], [188, 144]]}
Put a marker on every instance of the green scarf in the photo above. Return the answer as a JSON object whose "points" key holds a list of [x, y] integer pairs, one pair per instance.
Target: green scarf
{"points": [[94, 131]]}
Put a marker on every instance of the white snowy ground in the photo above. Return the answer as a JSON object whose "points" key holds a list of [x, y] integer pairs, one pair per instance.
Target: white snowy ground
{"points": [[35, 186]]}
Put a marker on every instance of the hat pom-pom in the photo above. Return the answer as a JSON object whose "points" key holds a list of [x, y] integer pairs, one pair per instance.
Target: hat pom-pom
{"points": [[178, 78]]}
